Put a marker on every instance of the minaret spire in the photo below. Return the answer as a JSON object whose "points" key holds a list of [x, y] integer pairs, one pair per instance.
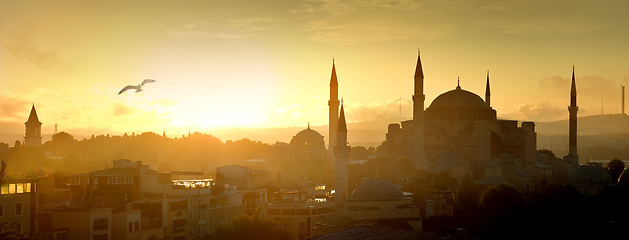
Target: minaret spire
{"points": [[572, 156], [341, 154], [418, 150], [487, 91], [333, 105]]}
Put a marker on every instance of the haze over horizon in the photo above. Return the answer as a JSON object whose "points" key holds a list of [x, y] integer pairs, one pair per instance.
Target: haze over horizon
{"points": [[252, 65]]}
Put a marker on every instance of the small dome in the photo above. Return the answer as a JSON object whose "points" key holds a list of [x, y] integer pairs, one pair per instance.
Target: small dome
{"points": [[590, 176], [308, 133], [308, 137], [377, 189]]}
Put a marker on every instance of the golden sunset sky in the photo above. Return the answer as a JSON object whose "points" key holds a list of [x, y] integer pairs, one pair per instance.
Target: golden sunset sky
{"points": [[261, 64]]}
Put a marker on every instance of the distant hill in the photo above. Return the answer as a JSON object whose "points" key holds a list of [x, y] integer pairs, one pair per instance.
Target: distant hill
{"points": [[588, 125]]}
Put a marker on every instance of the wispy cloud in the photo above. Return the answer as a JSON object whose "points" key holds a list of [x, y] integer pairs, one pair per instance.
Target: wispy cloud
{"points": [[338, 7], [231, 29], [536, 112], [24, 50], [12, 108]]}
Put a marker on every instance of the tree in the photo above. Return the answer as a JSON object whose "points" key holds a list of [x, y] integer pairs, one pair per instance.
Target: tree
{"points": [[469, 194], [10, 232], [502, 208], [615, 167]]}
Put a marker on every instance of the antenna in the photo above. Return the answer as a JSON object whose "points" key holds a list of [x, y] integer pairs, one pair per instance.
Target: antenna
{"points": [[400, 109], [623, 98]]}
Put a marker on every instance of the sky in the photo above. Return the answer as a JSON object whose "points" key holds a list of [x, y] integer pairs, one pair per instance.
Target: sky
{"points": [[266, 64]]}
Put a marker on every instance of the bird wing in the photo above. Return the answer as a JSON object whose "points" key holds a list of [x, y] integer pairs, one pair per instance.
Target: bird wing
{"points": [[147, 81], [127, 88]]}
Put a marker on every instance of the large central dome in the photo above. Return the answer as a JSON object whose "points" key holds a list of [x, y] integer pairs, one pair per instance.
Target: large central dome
{"points": [[459, 104], [458, 98]]}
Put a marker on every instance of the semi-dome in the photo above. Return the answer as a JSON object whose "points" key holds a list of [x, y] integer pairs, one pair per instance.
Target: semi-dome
{"points": [[377, 189], [459, 104]]}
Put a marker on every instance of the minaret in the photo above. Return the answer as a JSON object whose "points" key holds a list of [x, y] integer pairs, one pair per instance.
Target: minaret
{"points": [[32, 136], [572, 156], [341, 154], [418, 151], [333, 105], [487, 92]]}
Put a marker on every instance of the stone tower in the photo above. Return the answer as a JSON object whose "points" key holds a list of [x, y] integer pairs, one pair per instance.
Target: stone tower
{"points": [[333, 105], [32, 136], [418, 151], [572, 156], [341, 155]]}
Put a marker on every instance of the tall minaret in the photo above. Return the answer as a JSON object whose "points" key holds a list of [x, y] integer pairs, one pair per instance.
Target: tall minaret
{"points": [[418, 152], [341, 154], [487, 92], [572, 156], [32, 136], [333, 105]]}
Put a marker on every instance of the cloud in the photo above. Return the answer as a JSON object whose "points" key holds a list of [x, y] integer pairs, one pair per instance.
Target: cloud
{"points": [[543, 112], [22, 49], [392, 109], [13, 108], [120, 109], [231, 29], [589, 87], [339, 7]]}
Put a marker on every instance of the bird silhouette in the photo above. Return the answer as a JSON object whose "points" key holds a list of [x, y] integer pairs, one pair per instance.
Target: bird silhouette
{"points": [[138, 88]]}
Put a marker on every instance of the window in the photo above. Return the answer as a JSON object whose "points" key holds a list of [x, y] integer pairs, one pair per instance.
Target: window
{"points": [[301, 224], [18, 209], [1, 210], [18, 227], [285, 224], [100, 237], [130, 228], [61, 236], [11, 188], [136, 225], [100, 223], [20, 188], [4, 189]]}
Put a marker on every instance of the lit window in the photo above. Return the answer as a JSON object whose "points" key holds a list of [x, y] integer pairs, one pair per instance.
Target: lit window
{"points": [[28, 187], [20, 188], [11, 188], [4, 189]]}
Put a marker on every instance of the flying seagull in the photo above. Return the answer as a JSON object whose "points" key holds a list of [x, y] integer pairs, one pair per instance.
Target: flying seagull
{"points": [[138, 88]]}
